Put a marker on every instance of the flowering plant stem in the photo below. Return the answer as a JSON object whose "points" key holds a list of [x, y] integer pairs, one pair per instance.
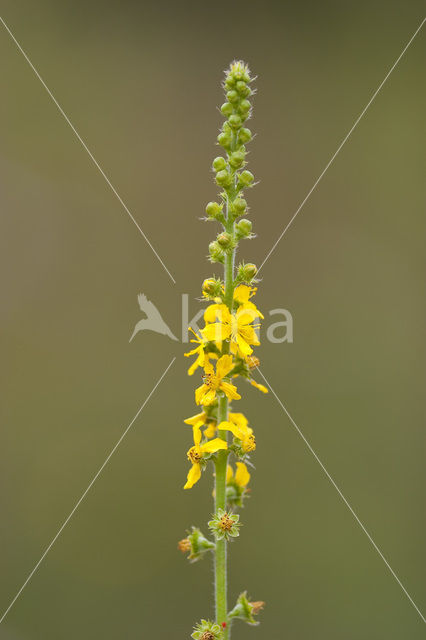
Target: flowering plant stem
{"points": [[221, 464], [224, 350]]}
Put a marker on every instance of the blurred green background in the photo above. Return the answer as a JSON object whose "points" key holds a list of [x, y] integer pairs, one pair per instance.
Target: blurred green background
{"points": [[141, 82]]}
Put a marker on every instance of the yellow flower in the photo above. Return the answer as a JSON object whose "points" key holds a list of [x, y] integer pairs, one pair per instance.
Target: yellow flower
{"points": [[196, 454], [238, 426], [242, 476], [213, 382], [198, 421], [201, 356], [236, 326]]}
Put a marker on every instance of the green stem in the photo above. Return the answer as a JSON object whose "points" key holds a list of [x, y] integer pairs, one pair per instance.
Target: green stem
{"points": [[221, 462], [221, 551]]}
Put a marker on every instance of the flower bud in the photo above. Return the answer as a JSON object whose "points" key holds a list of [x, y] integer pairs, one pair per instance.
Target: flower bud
{"points": [[227, 109], [242, 88], [244, 135], [246, 272], [219, 163], [245, 610], [244, 228], [235, 121], [211, 288], [236, 159], [213, 210], [232, 96], [245, 178], [225, 240], [245, 106], [224, 140], [216, 252], [223, 178], [239, 206]]}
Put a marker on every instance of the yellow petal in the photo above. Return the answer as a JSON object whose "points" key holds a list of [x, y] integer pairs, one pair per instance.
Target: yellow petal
{"points": [[243, 346], [198, 419], [210, 432], [191, 353], [196, 434], [229, 473], [216, 312], [251, 309], [249, 334], [239, 419], [214, 445], [230, 390], [199, 362], [242, 476], [216, 332], [200, 392], [208, 367], [224, 365], [261, 387], [228, 426], [194, 474], [208, 397], [242, 293]]}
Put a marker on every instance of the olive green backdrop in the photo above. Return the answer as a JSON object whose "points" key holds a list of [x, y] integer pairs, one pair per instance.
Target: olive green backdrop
{"points": [[141, 82]]}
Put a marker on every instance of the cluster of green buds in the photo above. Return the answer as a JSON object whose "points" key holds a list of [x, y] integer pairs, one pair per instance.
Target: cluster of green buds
{"points": [[230, 172]]}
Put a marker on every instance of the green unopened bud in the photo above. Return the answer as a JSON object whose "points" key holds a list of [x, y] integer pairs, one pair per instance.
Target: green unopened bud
{"points": [[244, 135], [236, 159], [245, 610], [227, 109], [216, 252], [242, 88], [246, 178], [239, 206], [232, 96], [244, 106], [246, 272], [212, 288], [213, 210], [223, 178], [235, 121], [244, 228], [224, 140], [225, 240], [219, 163]]}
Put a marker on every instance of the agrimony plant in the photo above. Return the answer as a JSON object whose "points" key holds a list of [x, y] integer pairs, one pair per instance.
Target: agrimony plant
{"points": [[222, 438]]}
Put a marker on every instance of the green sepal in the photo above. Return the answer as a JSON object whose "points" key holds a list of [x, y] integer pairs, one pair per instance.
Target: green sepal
{"points": [[244, 610], [207, 627]]}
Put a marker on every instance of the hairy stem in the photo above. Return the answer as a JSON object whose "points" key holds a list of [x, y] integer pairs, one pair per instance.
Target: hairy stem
{"points": [[221, 463]]}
